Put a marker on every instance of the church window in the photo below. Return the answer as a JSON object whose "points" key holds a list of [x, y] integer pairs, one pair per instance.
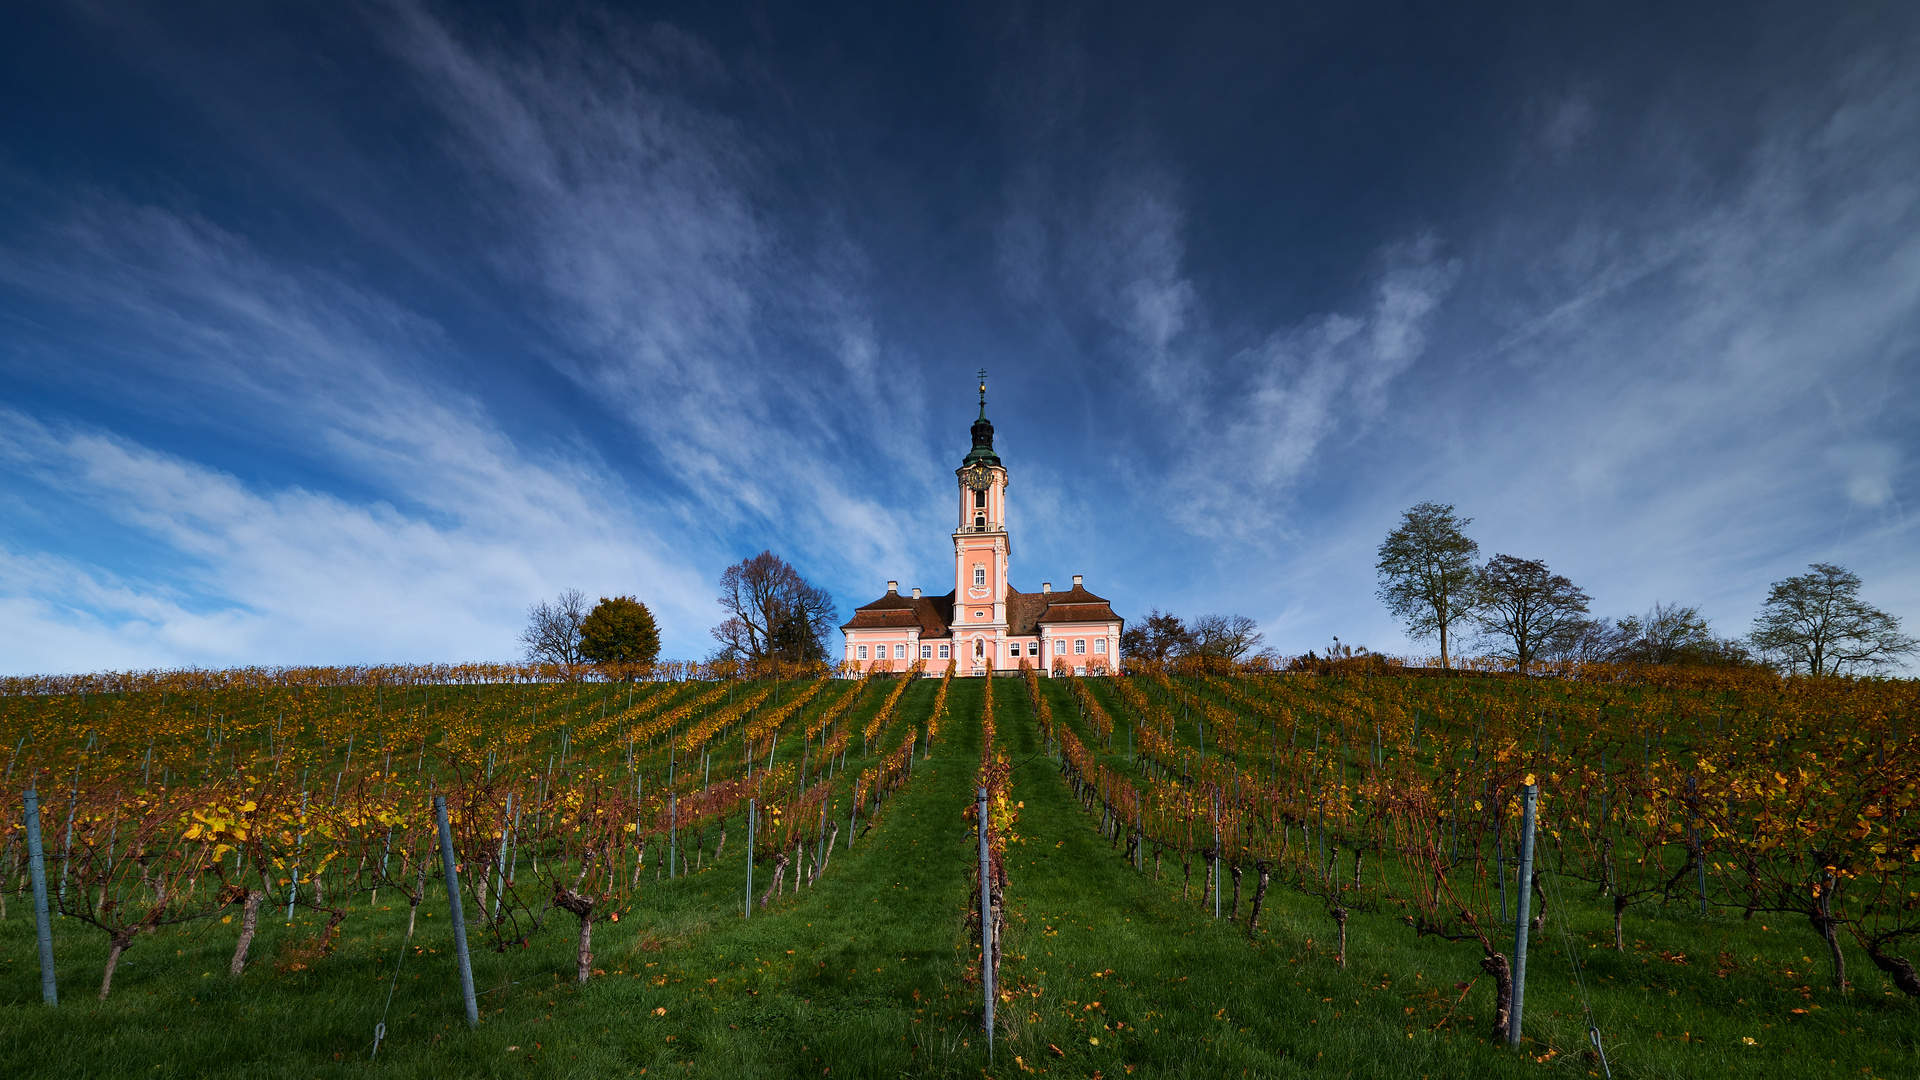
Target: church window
{"points": [[863, 652], [980, 576], [926, 652], [980, 523], [899, 652], [1033, 648], [980, 499], [946, 652], [1099, 645], [1079, 646]]}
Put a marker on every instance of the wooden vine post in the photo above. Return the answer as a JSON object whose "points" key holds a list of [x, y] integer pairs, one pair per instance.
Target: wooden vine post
{"points": [[986, 916]]}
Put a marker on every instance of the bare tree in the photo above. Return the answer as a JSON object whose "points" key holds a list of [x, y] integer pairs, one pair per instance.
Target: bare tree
{"points": [[552, 635], [1224, 638], [1521, 603], [1668, 634], [1590, 641], [1817, 623], [1664, 635], [1427, 574], [772, 611], [1157, 638]]}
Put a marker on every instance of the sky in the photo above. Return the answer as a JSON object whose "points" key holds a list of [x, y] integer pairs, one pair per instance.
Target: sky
{"points": [[343, 332]]}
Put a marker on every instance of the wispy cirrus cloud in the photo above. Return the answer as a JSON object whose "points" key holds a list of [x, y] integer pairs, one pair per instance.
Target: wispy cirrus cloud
{"points": [[595, 299], [453, 529], [679, 282], [1690, 389], [1238, 427]]}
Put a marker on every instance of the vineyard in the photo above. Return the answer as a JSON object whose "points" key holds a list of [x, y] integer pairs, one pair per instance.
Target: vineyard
{"points": [[248, 872]]}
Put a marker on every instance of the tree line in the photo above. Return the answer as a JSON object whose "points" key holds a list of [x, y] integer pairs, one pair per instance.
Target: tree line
{"points": [[1512, 609], [1525, 614], [772, 614]]}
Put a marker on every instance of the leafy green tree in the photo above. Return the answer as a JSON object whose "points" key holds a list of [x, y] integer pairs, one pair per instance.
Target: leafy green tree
{"points": [[1817, 622], [619, 630], [1522, 603], [1427, 573]]}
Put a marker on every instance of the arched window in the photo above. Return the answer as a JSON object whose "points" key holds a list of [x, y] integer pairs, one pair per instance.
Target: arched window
{"points": [[899, 652], [979, 523], [1100, 645], [863, 652], [1080, 646], [980, 498]]}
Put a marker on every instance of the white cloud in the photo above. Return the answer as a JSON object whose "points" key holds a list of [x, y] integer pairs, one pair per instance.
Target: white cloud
{"points": [[742, 354], [1273, 410], [1701, 390], [459, 530], [292, 575], [1867, 470]]}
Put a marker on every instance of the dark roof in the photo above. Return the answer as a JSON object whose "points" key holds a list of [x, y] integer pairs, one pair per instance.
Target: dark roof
{"points": [[982, 452], [896, 611], [1078, 613], [1024, 611], [1027, 612]]}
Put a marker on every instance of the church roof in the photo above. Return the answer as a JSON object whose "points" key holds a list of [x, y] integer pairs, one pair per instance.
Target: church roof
{"points": [[1076, 605], [897, 612], [1024, 611], [1027, 612]]}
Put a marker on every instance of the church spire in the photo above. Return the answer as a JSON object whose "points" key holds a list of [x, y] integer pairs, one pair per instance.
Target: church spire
{"points": [[982, 452]]}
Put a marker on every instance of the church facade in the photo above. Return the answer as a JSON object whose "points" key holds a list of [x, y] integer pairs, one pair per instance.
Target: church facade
{"points": [[984, 622]]}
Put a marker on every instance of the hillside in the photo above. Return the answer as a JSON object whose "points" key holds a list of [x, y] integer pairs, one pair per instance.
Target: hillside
{"points": [[1685, 807]]}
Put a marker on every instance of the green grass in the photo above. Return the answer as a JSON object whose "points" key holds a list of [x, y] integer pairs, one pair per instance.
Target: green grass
{"points": [[863, 976]]}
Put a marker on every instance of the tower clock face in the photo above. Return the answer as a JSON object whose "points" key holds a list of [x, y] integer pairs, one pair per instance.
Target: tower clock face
{"points": [[979, 478]]}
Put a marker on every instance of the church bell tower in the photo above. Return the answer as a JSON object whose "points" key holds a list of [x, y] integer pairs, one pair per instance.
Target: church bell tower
{"points": [[980, 549]]}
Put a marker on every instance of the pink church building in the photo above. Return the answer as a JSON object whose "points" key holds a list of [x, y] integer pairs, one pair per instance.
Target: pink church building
{"points": [[985, 622]]}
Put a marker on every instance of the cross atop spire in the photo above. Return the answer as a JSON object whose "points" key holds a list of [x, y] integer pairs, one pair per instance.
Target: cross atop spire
{"points": [[983, 393]]}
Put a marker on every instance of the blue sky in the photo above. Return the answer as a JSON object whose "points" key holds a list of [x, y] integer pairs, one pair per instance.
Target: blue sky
{"points": [[343, 332]]}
